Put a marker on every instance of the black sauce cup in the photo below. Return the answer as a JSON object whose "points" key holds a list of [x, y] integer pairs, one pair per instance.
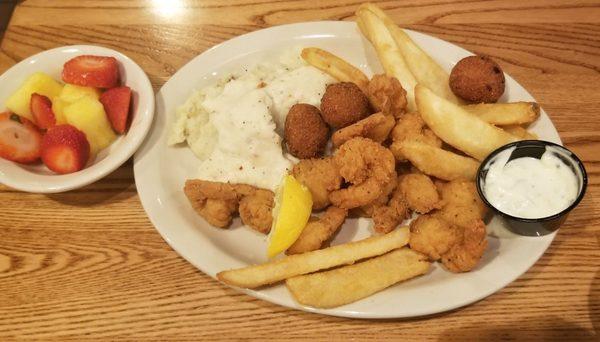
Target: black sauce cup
{"points": [[535, 149]]}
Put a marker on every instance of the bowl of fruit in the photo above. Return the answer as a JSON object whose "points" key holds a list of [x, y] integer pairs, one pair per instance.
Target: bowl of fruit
{"points": [[69, 116]]}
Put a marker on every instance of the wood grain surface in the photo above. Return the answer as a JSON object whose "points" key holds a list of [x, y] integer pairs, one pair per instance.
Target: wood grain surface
{"points": [[89, 264]]}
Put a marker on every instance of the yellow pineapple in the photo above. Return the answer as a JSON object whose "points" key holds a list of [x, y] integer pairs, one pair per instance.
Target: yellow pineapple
{"points": [[71, 93], [87, 114], [38, 82], [58, 107]]}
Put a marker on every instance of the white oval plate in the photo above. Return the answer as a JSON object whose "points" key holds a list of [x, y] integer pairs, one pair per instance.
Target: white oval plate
{"points": [[38, 178], [160, 172]]}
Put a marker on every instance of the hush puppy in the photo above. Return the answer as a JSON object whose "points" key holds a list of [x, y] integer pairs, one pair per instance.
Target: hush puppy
{"points": [[477, 79], [344, 104], [305, 132]]}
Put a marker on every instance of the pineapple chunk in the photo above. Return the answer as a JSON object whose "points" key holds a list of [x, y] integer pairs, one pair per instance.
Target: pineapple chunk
{"points": [[87, 114], [38, 82], [71, 93], [58, 107]]}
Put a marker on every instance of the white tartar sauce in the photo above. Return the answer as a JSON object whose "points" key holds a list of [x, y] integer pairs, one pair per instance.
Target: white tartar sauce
{"points": [[529, 187]]}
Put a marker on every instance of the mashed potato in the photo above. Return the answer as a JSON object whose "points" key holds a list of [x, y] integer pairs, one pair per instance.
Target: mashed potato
{"points": [[235, 126]]}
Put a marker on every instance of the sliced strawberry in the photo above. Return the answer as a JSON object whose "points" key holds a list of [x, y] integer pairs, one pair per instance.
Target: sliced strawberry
{"points": [[92, 71], [116, 105], [65, 149], [41, 109], [20, 140]]}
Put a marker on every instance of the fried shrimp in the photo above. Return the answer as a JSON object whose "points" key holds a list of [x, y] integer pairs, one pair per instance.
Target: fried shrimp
{"points": [[367, 210], [376, 127], [420, 192], [256, 210], [411, 127], [466, 253], [368, 166], [432, 236], [462, 193], [319, 230], [387, 95], [387, 217], [320, 176], [218, 202]]}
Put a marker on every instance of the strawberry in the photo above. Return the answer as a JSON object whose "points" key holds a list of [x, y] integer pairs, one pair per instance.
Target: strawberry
{"points": [[20, 140], [41, 110], [116, 105], [65, 149], [92, 71]]}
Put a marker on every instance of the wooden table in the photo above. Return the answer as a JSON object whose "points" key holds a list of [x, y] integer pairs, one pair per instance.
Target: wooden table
{"points": [[88, 263]]}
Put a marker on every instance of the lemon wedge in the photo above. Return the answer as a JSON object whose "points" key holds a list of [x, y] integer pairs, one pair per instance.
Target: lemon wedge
{"points": [[293, 205]]}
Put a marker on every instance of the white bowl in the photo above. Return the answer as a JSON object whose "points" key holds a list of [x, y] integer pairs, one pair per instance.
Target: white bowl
{"points": [[38, 178]]}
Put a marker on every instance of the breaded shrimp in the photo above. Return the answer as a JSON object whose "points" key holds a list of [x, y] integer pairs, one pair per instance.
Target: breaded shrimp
{"points": [[387, 95], [368, 166], [320, 176], [387, 217], [432, 236], [317, 231], [411, 127], [376, 127], [466, 253], [218, 202], [420, 192], [256, 210]]}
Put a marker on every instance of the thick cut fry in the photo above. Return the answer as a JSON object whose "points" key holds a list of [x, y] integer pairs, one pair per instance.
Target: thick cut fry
{"points": [[350, 283], [520, 132], [439, 163], [388, 53], [294, 265], [425, 70], [335, 67], [514, 113], [459, 128]]}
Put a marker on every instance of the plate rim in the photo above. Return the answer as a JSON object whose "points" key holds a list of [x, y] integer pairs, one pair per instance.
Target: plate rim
{"points": [[273, 299]]}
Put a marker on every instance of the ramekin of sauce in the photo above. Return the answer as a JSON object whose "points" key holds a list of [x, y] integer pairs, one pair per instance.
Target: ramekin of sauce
{"points": [[533, 184]]}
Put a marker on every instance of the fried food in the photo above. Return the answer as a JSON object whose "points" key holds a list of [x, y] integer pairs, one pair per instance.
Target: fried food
{"points": [[502, 114], [215, 202], [298, 264], [368, 166], [321, 177], [387, 95], [344, 104], [459, 128], [218, 202], [411, 127], [367, 210], [256, 210], [387, 51], [376, 127], [477, 79], [465, 254], [425, 70], [350, 283], [305, 132], [419, 192], [433, 236], [462, 193], [335, 67], [434, 161], [519, 132], [388, 216], [319, 230]]}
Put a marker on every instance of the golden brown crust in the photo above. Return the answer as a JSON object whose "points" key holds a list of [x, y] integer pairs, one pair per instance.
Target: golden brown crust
{"points": [[321, 177], [305, 132], [477, 79], [344, 104]]}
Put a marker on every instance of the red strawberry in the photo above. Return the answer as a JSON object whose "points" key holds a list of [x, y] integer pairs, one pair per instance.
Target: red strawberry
{"points": [[92, 71], [65, 149], [116, 105], [41, 109], [20, 140]]}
